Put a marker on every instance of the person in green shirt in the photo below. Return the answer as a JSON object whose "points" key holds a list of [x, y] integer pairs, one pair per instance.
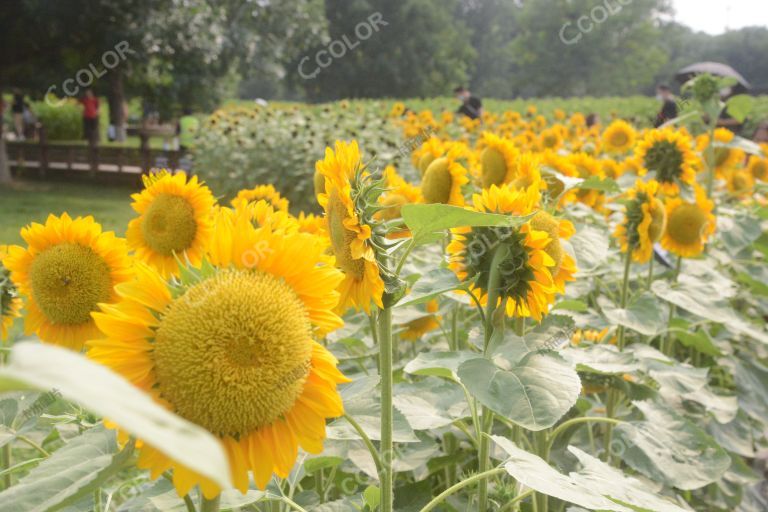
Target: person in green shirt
{"points": [[187, 130]]}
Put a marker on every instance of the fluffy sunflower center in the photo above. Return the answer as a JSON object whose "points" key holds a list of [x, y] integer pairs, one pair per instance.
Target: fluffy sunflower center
{"points": [[665, 158], [550, 140], [342, 238], [437, 182], [67, 281], [722, 155], [494, 167], [515, 272], [618, 138], [233, 352], [740, 183], [169, 224], [760, 170], [686, 223]]}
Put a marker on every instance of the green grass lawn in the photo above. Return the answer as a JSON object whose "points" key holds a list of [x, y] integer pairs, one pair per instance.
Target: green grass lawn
{"points": [[27, 201]]}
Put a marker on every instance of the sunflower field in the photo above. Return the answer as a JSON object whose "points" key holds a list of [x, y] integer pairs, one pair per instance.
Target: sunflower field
{"points": [[516, 313]]}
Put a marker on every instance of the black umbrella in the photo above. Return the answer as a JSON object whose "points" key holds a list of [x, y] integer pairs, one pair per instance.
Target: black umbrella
{"points": [[713, 68]]}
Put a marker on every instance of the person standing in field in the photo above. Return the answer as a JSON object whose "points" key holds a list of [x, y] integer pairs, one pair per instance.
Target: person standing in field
{"points": [[187, 130], [668, 108], [17, 109], [90, 116], [471, 106]]}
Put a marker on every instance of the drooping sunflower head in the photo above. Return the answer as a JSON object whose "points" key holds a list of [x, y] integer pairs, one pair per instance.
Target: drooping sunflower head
{"points": [[497, 160], [10, 302], [174, 222], [689, 224], [229, 346], [644, 221], [444, 178], [758, 167], [350, 226], [519, 255], [266, 193], [668, 154], [619, 137], [726, 157], [399, 193], [68, 267], [740, 182], [431, 149], [416, 328]]}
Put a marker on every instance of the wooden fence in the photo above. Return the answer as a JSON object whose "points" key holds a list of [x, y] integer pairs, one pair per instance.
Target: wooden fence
{"points": [[42, 159]]}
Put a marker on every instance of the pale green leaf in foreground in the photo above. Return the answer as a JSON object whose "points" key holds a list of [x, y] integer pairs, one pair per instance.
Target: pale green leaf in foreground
{"points": [[103, 392]]}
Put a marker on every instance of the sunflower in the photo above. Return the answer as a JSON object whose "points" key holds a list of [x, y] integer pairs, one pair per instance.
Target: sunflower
{"points": [[644, 221], [312, 224], [262, 213], [416, 329], [619, 137], [689, 225], [526, 283], [431, 149], [10, 303], [551, 138], [586, 167], [758, 167], [527, 172], [267, 193], [668, 153], [444, 178], [350, 234], [399, 192], [229, 346], [174, 221], [498, 160], [725, 157], [68, 267], [739, 182]]}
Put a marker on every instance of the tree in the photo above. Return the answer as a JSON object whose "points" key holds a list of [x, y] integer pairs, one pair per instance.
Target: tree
{"points": [[416, 48]]}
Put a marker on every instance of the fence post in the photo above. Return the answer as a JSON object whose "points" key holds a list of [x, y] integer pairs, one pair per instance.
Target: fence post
{"points": [[42, 134], [93, 154], [144, 150]]}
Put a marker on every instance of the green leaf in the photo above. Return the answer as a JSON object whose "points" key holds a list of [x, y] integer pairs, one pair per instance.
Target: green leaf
{"points": [[431, 285], [604, 185], [372, 496], [602, 359], [596, 486], [590, 246], [752, 383], [698, 340], [441, 364], [738, 232], [103, 392], [642, 314], [670, 449], [426, 220], [739, 106], [534, 392], [321, 462], [72, 472], [571, 305], [706, 302]]}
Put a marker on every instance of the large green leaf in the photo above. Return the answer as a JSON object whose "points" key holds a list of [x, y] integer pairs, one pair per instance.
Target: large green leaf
{"points": [[752, 383], [601, 358], [642, 314], [590, 246], [427, 220], [705, 301], [738, 232], [670, 449], [441, 364], [739, 106], [95, 387], [596, 486], [534, 392], [430, 285], [72, 472]]}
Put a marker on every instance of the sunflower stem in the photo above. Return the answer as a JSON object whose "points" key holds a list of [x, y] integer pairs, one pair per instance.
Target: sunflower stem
{"points": [[484, 460], [5, 455], [650, 272], [624, 294], [709, 156], [210, 505], [668, 348], [386, 446], [484, 476]]}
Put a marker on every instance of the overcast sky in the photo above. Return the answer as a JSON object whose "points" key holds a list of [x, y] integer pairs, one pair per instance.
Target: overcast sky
{"points": [[714, 16]]}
